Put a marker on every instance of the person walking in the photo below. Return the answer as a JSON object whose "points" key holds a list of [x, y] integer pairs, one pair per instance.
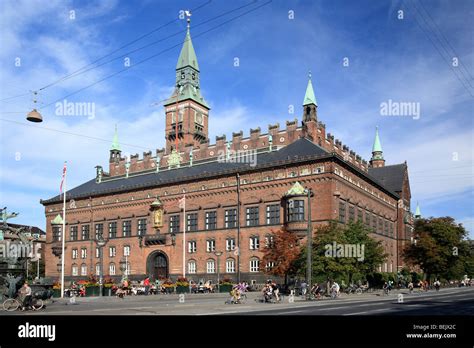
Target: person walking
{"points": [[146, 284]]}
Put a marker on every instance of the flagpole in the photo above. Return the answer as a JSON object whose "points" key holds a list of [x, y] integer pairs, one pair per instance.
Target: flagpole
{"points": [[184, 236], [63, 234]]}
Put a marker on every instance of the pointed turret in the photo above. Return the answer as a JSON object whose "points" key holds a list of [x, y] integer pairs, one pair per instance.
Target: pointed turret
{"points": [[417, 211], [115, 149], [377, 159], [309, 102], [187, 57]]}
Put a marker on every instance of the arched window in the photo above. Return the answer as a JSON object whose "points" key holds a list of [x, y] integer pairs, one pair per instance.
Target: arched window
{"points": [[75, 270], [211, 266], [254, 264], [230, 265], [112, 269], [192, 266], [83, 269]]}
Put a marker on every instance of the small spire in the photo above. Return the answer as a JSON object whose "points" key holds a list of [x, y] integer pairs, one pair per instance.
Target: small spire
{"points": [[377, 147], [309, 97], [115, 142], [417, 211]]}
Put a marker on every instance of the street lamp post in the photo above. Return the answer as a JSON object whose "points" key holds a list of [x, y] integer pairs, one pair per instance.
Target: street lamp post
{"points": [[101, 242], [218, 254], [309, 245]]}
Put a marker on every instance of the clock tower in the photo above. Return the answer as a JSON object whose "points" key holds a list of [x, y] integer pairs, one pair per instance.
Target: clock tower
{"points": [[187, 113]]}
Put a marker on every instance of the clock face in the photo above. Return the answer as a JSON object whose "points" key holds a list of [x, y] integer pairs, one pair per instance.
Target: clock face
{"points": [[199, 118]]}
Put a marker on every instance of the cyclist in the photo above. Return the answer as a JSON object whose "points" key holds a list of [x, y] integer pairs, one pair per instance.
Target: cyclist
{"points": [[386, 288], [410, 287], [437, 284], [25, 294], [316, 291]]}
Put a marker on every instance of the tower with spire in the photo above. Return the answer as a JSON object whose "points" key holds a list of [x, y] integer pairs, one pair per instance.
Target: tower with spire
{"points": [[186, 110], [310, 104], [417, 211], [115, 151], [377, 159]]}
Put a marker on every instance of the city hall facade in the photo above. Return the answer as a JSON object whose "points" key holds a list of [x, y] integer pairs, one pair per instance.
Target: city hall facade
{"points": [[237, 192]]}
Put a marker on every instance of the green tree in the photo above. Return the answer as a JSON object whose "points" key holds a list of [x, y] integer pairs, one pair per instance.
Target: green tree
{"points": [[325, 265], [440, 249]]}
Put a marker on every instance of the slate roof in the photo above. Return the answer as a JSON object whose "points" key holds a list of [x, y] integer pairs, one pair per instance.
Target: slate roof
{"points": [[391, 177]]}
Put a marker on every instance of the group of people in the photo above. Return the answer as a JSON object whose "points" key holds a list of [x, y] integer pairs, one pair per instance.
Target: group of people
{"points": [[271, 292], [237, 291]]}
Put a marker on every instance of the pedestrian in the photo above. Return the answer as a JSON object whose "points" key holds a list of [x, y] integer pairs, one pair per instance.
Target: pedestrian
{"points": [[146, 283], [303, 288]]}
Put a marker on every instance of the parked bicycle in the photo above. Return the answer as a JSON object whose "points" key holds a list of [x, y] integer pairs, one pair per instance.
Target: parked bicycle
{"points": [[13, 304]]}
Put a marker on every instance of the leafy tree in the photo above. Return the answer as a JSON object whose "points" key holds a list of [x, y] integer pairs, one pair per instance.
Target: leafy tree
{"points": [[440, 248], [283, 251], [325, 265]]}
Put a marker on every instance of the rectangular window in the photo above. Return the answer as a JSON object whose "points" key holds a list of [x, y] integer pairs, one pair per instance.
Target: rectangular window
{"points": [[367, 219], [74, 254], [252, 216], [230, 266], [231, 218], [112, 251], [351, 212], [83, 253], [254, 265], [211, 220], [374, 223], [75, 270], [391, 228], [99, 231], [269, 241], [85, 232], [380, 226], [211, 266], [295, 210], [385, 227], [141, 227], [127, 228], [97, 252], [192, 247], [192, 267], [210, 245], [126, 250], [342, 212], [57, 233], [83, 270], [192, 223], [174, 223], [112, 229], [254, 243], [73, 231], [230, 244], [360, 215], [273, 214]]}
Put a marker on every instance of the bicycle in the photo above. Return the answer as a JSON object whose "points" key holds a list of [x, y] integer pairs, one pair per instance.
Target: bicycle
{"points": [[12, 304]]}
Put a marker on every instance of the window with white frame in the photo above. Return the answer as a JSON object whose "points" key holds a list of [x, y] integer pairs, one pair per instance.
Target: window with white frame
{"points": [[74, 253], [97, 268], [128, 268], [112, 251], [126, 250], [252, 218], [269, 265], [254, 242], [112, 268], [75, 270], [230, 266], [230, 244], [192, 246], [230, 218], [192, 267], [210, 245], [269, 240], [83, 269], [211, 266], [97, 252], [83, 253], [273, 214], [211, 220], [254, 264]]}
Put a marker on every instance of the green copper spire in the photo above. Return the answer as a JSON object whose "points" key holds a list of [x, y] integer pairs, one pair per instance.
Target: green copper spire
{"points": [[115, 142], [417, 211], [187, 75], [377, 147], [309, 97], [187, 57]]}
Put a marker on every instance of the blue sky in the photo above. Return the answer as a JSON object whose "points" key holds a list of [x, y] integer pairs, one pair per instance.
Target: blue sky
{"points": [[389, 59]]}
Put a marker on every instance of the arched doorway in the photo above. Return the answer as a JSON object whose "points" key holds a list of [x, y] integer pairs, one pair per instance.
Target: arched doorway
{"points": [[157, 265]]}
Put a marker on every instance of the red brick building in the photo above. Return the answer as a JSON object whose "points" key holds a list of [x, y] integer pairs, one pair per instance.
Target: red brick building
{"points": [[237, 191]]}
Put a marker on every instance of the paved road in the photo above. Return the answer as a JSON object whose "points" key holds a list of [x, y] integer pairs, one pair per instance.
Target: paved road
{"points": [[457, 301]]}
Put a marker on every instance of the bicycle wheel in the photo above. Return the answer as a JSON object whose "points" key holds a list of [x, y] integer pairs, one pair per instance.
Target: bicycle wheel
{"points": [[37, 304], [359, 291], [11, 305]]}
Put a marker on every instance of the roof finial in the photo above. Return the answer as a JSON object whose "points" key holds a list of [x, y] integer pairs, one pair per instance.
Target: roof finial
{"points": [[309, 74], [188, 17]]}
